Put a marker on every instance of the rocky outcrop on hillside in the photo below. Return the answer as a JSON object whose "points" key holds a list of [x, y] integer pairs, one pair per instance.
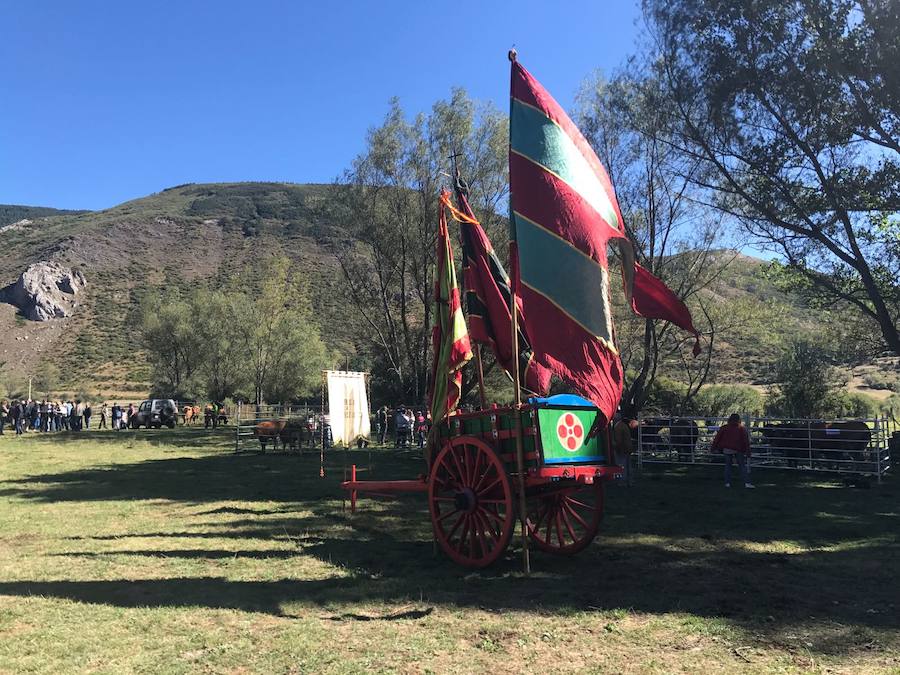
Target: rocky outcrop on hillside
{"points": [[47, 290]]}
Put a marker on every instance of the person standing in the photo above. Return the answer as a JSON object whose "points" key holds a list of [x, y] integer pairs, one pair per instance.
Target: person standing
{"points": [[421, 429], [116, 416], [623, 444], [87, 415], [382, 416], [104, 412], [19, 417], [129, 414], [733, 441], [4, 415]]}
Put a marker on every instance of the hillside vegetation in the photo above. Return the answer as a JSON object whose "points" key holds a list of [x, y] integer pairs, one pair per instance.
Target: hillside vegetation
{"points": [[192, 237]]}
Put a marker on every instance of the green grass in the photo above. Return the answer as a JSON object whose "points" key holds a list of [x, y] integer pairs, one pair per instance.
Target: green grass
{"points": [[164, 552]]}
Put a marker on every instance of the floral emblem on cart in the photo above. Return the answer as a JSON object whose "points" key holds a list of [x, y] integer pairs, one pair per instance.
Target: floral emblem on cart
{"points": [[570, 432]]}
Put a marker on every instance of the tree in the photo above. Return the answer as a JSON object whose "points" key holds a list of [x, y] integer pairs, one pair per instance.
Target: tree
{"points": [[172, 345], [280, 343], [674, 236], [806, 382], [223, 363], [389, 204], [792, 109]]}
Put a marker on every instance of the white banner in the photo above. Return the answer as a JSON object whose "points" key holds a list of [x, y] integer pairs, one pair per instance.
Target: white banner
{"points": [[348, 406]]}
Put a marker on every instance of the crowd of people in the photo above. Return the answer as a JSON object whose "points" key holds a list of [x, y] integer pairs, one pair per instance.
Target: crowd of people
{"points": [[409, 426], [45, 416]]}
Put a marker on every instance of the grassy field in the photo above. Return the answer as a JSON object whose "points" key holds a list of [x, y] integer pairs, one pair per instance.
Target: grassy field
{"points": [[164, 552]]}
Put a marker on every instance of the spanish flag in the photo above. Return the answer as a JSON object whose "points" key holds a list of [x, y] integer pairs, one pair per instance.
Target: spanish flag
{"points": [[450, 338]]}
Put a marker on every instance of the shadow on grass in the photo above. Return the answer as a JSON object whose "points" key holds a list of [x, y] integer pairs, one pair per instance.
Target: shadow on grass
{"points": [[179, 437], [794, 552]]}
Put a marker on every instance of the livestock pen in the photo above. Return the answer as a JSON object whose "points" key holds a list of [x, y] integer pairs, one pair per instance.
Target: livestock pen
{"points": [[861, 447], [288, 426]]}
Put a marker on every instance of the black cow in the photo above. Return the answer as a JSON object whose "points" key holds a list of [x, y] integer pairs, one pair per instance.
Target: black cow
{"points": [[834, 442], [668, 435]]}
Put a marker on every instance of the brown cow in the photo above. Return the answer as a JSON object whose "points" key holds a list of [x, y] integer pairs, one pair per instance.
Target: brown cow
{"points": [[269, 430]]}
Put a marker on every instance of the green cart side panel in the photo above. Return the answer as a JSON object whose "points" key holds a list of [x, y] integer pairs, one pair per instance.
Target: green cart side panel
{"points": [[481, 426], [559, 437], [563, 432]]}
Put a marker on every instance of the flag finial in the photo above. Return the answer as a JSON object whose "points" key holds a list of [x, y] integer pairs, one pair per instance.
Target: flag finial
{"points": [[512, 55]]}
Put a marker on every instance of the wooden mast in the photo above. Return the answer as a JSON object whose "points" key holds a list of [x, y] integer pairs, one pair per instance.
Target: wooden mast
{"points": [[520, 451]]}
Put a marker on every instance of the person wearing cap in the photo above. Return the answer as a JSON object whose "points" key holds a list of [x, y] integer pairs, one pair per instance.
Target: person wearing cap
{"points": [[733, 441]]}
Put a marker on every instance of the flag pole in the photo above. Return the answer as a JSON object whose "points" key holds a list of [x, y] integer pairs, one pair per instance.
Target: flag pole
{"points": [[480, 376], [520, 451]]}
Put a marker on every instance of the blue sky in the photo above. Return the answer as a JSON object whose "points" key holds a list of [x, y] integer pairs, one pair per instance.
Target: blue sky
{"points": [[101, 102]]}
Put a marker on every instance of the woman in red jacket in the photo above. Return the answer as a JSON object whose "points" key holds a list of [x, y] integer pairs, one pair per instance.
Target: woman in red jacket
{"points": [[732, 440]]}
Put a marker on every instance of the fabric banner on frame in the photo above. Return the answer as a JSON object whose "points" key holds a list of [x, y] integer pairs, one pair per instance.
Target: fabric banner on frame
{"points": [[348, 406]]}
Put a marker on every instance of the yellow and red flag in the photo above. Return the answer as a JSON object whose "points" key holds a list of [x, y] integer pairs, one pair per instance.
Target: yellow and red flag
{"points": [[450, 337]]}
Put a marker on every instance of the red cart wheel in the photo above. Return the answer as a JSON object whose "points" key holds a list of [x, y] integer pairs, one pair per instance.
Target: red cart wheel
{"points": [[565, 520], [471, 504]]}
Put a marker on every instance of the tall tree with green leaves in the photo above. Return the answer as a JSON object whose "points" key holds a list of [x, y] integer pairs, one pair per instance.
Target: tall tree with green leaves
{"points": [[675, 235], [279, 340], [172, 345], [389, 203], [223, 363], [792, 107]]}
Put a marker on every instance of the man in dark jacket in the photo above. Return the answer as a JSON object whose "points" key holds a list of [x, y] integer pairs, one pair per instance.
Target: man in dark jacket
{"points": [[18, 414], [733, 441]]}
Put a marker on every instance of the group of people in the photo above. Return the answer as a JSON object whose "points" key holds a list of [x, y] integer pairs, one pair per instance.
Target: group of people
{"points": [[409, 426], [46, 416]]}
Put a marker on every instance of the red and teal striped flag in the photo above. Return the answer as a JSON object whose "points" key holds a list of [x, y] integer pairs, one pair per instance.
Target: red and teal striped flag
{"points": [[450, 337], [563, 214]]}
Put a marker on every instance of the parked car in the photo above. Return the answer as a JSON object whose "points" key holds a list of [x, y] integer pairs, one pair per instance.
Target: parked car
{"points": [[155, 412]]}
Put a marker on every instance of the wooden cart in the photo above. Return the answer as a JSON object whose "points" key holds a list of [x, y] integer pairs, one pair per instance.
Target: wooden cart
{"points": [[472, 482]]}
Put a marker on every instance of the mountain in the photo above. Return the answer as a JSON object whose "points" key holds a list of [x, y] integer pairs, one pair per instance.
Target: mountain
{"points": [[187, 237], [202, 235]]}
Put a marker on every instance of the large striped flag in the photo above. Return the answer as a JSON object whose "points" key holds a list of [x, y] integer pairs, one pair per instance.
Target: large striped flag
{"points": [[563, 214], [450, 338], [487, 298]]}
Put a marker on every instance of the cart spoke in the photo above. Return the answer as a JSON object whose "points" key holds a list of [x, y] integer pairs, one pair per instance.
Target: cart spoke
{"points": [[559, 534], [465, 532], [473, 536], [568, 524], [468, 462], [575, 515], [456, 525], [450, 469], [543, 512], [489, 471], [485, 517], [489, 487], [492, 514], [483, 530], [476, 467], [447, 515], [461, 474], [572, 500]]}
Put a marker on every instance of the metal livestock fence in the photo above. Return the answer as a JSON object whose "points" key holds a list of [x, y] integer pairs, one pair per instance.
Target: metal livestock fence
{"points": [[861, 447], [287, 427]]}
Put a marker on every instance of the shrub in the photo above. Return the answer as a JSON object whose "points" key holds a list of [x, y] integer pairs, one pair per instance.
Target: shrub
{"points": [[882, 380], [845, 404], [723, 399]]}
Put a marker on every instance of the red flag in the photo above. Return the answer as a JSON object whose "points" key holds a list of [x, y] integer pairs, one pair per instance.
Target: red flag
{"points": [[564, 213], [652, 299], [487, 297]]}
